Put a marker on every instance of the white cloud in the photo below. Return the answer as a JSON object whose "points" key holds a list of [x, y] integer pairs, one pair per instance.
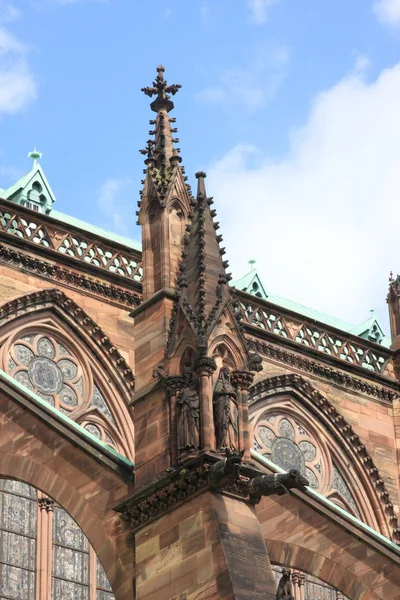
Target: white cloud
{"points": [[113, 206], [323, 222], [259, 9], [8, 12], [17, 85], [252, 87], [388, 11]]}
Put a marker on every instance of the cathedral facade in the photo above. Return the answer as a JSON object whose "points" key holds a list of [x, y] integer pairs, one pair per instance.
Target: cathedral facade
{"points": [[168, 433]]}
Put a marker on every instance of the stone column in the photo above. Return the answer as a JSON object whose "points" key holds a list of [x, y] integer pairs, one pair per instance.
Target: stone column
{"points": [[173, 385], [296, 586], [205, 367], [302, 583], [242, 380], [44, 547]]}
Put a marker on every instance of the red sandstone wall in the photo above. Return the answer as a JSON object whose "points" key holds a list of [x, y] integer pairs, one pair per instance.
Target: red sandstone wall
{"points": [[114, 320]]}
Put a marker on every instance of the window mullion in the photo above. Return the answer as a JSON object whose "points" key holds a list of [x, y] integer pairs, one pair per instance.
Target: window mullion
{"points": [[92, 574], [44, 547]]}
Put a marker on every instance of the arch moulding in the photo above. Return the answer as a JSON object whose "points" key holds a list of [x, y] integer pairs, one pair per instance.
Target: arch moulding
{"points": [[314, 402], [39, 453]]}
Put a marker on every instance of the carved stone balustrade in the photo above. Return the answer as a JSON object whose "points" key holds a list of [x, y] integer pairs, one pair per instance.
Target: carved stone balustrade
{"points": [[53, 236], [257, 315]]}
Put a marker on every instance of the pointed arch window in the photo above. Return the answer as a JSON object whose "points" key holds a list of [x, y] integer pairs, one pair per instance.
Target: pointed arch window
{"points": [[45, 360], [43, 552], [292, 441]]}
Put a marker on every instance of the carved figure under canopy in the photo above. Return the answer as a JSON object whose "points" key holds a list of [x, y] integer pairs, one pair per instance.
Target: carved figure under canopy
{"points": [[188, 404], [225, 411], [285, 588]]}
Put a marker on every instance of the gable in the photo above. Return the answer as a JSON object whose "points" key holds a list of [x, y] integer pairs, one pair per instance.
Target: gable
{"points": [[51, 354], [32, 191]]}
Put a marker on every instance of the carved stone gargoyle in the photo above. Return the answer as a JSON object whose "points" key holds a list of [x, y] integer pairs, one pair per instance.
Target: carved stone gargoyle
{"points": [[279, 483], [226, 470], [285, 588]]}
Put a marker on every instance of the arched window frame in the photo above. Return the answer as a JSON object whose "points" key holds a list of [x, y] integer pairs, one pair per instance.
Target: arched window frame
{"points": [[96, 364]]}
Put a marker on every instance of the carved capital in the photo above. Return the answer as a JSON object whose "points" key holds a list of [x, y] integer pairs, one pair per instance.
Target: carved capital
{"points": [[173, 384], [242, 379], [255, 363], [295, 578], [46, 504], [205, 365]]}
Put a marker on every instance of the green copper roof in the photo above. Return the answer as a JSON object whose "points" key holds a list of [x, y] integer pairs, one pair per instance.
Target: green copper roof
{"points": [[108, 235], [15, 193], [252, 284], [63, 418], [362, 330]]}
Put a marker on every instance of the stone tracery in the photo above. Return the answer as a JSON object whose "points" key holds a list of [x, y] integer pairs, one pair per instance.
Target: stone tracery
{"points": [[46, 357]]}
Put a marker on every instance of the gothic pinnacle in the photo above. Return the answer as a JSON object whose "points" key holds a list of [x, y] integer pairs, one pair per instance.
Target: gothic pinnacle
{"points": [[162, 90], [201, 188]]}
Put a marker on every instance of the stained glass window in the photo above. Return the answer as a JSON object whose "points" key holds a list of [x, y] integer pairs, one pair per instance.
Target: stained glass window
{"points": [[70, 553], [18, 511], [289, 443], [307, 587], [43, 365]]}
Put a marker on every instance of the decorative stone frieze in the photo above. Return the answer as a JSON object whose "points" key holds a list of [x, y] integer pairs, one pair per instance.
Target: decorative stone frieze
{"points": [[53, 272], [307, 365]]}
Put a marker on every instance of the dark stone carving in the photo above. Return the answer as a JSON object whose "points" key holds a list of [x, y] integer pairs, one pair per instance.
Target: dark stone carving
{"points": [[226, 470], [225, 411], [242, 379], [175, 489], [279, 483], [326, 372], [188, 404], [205, 364], [255, 363], [53, 272], [285, 588]]}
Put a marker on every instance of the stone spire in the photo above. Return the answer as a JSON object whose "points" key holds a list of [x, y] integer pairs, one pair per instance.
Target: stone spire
{"points": [[162, 158], [203, 281]]}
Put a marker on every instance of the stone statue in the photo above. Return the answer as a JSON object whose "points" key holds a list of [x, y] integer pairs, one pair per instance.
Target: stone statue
{"points": [[285, 588], [279, 483], [226, 470], [188, 405], [225, 411]]}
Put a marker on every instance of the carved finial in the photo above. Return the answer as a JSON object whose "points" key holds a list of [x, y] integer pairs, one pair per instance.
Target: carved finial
{"points": [[162, 90], [148, 152], [35, 155], [252, 262], [201, 188]]}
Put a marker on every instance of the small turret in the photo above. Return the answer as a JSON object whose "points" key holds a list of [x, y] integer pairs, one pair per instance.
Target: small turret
{"points": [[165, 201]]}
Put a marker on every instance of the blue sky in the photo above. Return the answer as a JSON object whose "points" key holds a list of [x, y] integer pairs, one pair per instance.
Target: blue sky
{"points": [[290, 106]]}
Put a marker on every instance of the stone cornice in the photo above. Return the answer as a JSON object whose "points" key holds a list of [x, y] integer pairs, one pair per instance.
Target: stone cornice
{"points": [[80, 249], [53, 297], [297, 361], [268, 322], [53, 272], [277, 384], [175, 486]]}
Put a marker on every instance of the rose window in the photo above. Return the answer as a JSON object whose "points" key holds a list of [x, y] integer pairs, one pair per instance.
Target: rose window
{"points": [[287, 444], [43, 365]]}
